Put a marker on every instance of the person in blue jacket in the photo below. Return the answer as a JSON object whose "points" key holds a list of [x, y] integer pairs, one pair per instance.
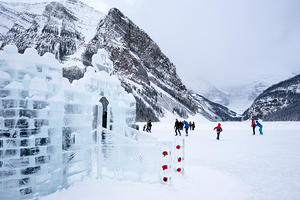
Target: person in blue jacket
{"points": [[186, 126], [260, 127]]}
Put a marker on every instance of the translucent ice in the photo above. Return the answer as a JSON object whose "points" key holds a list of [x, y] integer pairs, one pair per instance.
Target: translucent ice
{"points": [[53, 133]]}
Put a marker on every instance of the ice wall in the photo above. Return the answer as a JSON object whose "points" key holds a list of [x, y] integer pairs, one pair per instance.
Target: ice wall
{"points": [[30, 124], [51, 130]]}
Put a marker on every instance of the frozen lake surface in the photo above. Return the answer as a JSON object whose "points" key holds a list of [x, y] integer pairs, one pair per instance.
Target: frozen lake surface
{"points": [[239, 166]]}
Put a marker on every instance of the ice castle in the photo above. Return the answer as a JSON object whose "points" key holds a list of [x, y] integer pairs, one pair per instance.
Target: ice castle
{"points": [[54, 133]]}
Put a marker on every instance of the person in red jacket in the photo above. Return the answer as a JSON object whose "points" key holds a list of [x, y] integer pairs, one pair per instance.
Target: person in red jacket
{"points": [[219, 130], [253, 125]]}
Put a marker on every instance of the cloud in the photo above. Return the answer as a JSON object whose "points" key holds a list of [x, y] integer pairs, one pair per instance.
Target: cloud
{"points": [[131, 2]]}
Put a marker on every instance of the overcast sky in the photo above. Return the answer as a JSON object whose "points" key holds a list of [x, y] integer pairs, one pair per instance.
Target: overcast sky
{"points": [[226, 42]]}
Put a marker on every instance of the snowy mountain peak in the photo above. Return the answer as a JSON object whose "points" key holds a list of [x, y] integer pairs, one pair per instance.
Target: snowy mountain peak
{"points": [[115, 13]]}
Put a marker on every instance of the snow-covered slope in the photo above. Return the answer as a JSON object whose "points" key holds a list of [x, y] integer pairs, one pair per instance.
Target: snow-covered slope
{"points": [[24, 13], [74, 32], [280, 102]]}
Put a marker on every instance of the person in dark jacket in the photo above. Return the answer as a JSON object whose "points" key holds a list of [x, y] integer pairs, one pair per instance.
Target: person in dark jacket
{"points": [[253, 125], [177, 128], [149, 126], [219, 130], [193, 126], [181, 124], [190, 125], [260, 127]]}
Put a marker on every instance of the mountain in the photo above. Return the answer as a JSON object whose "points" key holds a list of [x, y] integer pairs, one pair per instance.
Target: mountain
{"points": [[62, 28], [242, 96], [235, 97], [75, 32], [214, 111], [211, 92], [280, 102]]}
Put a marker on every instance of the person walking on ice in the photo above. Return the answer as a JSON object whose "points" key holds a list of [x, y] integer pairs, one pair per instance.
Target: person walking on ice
{"points": [[253, 125], [219, 130], [177, 127], [260, 127], [186, 125], [149, 126]]}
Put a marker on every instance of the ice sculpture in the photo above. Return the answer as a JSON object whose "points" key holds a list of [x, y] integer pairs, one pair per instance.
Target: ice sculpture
{"points": [[53, 133]]}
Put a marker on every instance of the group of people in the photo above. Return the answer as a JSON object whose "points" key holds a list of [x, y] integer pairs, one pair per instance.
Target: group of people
{"points": [[254, 123], [147, 127], [192, 126], [179, 125]]}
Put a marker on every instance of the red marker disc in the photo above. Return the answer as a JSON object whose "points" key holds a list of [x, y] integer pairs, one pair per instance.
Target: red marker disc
{"points": [[164, 167], [165, 153]]}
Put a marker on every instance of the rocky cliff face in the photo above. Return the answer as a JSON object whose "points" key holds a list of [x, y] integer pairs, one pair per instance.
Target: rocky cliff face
{"points": [[280, 102], [74, 32], [138, 61]]}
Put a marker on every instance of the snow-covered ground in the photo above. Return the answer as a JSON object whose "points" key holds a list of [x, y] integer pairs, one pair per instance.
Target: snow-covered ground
{"points": [[239, 166]]}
